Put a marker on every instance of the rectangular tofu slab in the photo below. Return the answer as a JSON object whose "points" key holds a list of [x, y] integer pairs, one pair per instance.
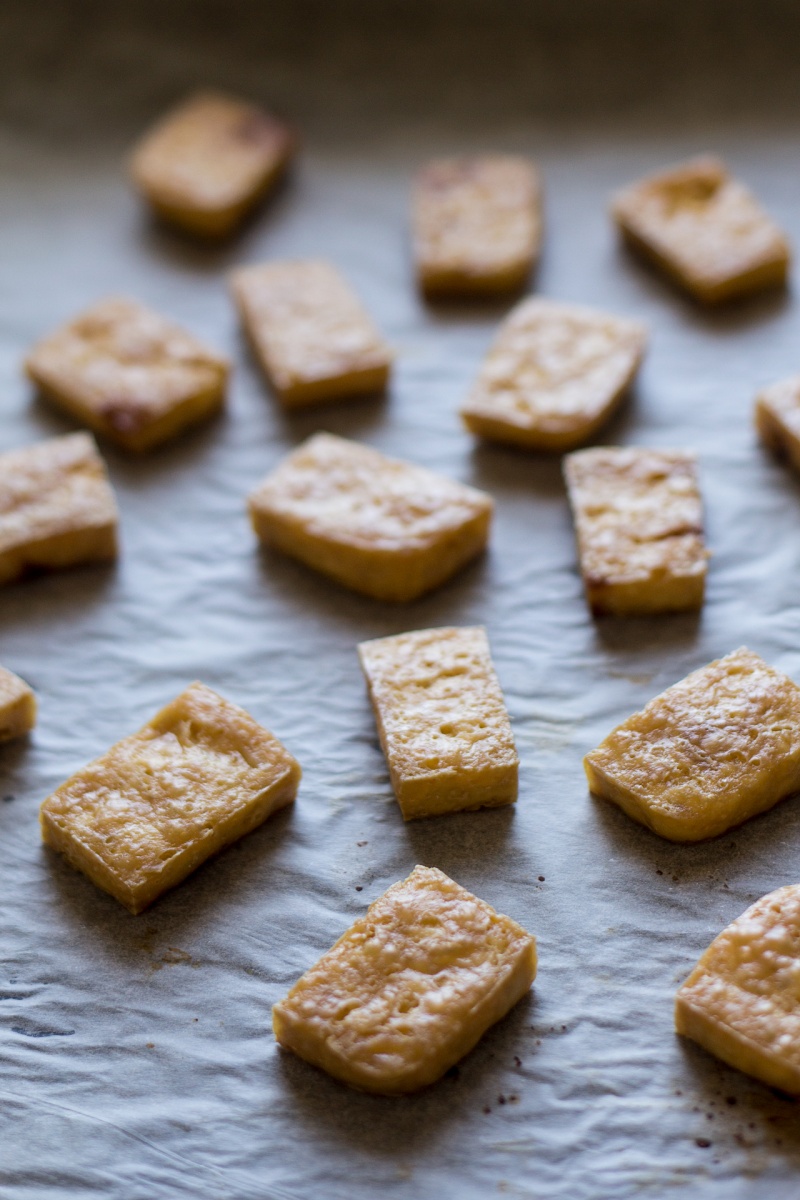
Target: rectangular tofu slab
{"points": [[742, 1001], [705, 230], [442, 720], [409, 989], [17, 706], [206, 164], [146, 814], [57, 508], [553, 376], [128, 373], [708, 753], [477, 224], [639, 523], [313, 338], [380, 526], [777, 417]]}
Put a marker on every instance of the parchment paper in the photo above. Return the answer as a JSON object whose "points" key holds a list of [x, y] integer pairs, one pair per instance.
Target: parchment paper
{"points": [[136, 1056]]}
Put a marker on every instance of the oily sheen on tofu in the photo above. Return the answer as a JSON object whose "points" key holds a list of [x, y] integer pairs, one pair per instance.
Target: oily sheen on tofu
{"points": [[409, 989], [742, 1000], [705, 230], [554, 375], [442, 720], [313, 337], [711, 751], [206, 164], [477, 224], [639, 524], [380, 526], [17, 706], [128, 373], [57, 508], [198, 776]]}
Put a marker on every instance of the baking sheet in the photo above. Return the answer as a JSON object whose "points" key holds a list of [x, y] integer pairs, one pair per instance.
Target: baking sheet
{"points": [[136, 1055]]}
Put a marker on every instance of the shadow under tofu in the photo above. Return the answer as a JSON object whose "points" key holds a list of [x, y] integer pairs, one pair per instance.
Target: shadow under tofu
{"points": [[360, 615], [738, 1115], [455, 842], [44, 594], [390, 1126], [729, 317], [12, 754], [213, 256], [188, 446], [673, 631], [727, 861], [157, 935]]}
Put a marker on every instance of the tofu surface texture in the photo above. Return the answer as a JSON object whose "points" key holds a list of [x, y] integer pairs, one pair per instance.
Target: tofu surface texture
{"points": [[17, 706], [442, 720], [554, 375], [477, 224], [639, 524], [705, 230], [198, 776], [313, 337], [128, 373], [57, 508], [409, 989], [777, 418], [710, 752], [206, 164], [378, 525], [742, 1002]]}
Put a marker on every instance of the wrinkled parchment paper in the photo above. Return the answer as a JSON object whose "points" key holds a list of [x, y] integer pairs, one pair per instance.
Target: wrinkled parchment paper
{"points": [[136, 1056]]}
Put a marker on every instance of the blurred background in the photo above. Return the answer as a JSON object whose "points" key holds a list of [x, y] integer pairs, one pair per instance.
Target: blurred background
{"points": [[385, 66]]}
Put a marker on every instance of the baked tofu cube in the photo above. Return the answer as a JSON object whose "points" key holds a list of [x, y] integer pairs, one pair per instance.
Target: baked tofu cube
{"points": [[409, 989], [741, 1001], [477, 224], [57, 508], [380, 526], [205, 165], [553, 376], [712, 751], [777, 416], [314, 340], [705, 230], [129, 374], [442, 720], [639, 521], [142, 817], [17, 706]]}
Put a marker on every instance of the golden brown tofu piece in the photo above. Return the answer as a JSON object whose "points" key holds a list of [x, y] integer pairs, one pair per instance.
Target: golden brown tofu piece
{"points": [[777, 417], [313, 338], [711, 751], [409, 989], [553, 376], [477, 224], [705, 230], [57, 508], [380, 526], [206, 164], [17, 706], [639, 522], [742, 1000], [442, 720], [143, 816], [128, 373]]}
